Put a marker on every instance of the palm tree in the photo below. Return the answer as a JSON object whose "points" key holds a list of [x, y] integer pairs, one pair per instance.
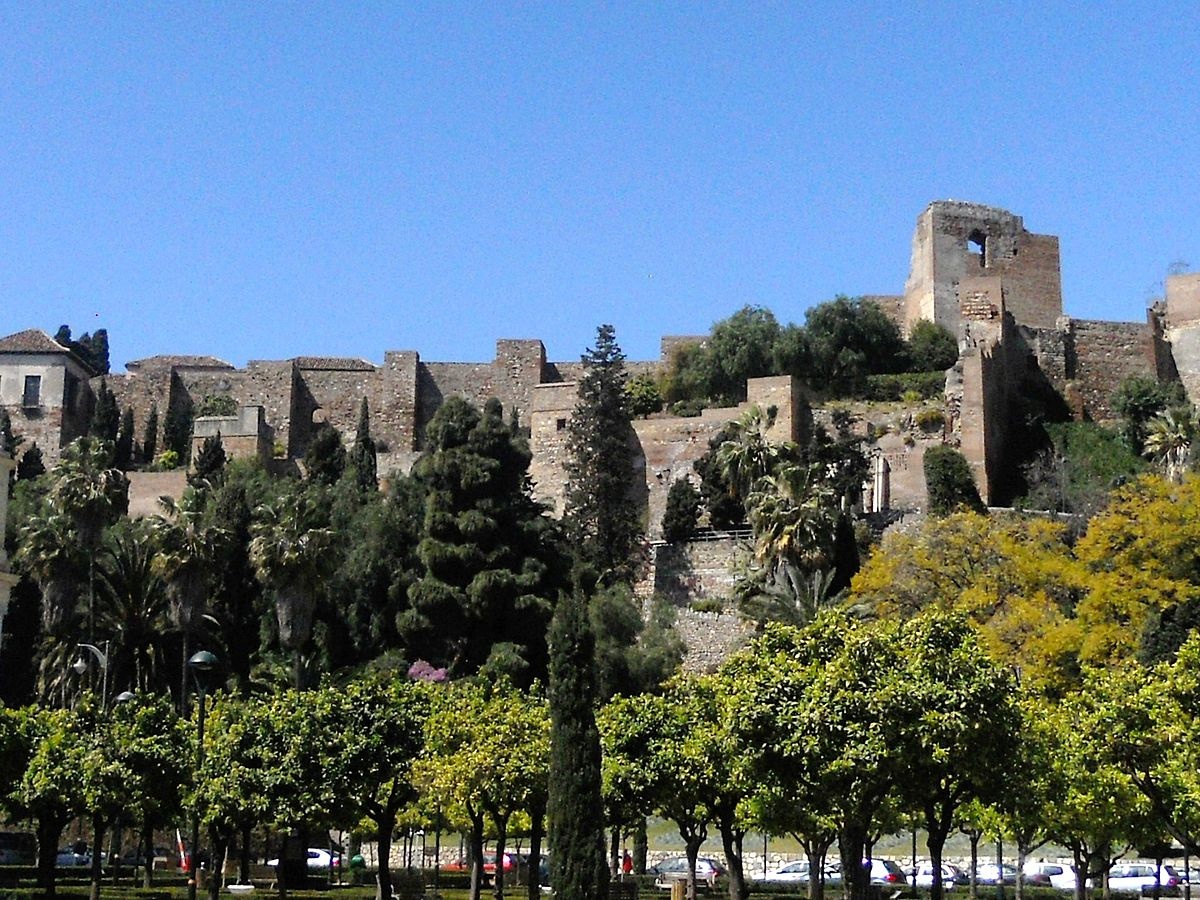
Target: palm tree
{"points": [[187, 552], [290, 552], [794, 517], [788, 594], [1169, 440], [92, 494], [132, 607], [747, 455]]}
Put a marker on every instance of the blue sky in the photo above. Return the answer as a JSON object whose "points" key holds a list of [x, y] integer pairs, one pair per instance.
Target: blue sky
{"points": [[268, 179]]}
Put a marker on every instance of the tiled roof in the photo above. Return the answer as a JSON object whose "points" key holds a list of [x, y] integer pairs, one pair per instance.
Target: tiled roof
{"points": [[334, 363], [177, 362], [32, 340]]}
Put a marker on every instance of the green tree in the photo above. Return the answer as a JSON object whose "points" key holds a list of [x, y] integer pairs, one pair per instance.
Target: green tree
{"points": [[489, 558], [187, 550], [682, 512], [325, 458], [150, 436], [635, 652], [132, 608], [600, 513], [643, 396], [850, 339], [177, 427], [362, 459], [123, 450], [9, 441], [931, 348], [1139, 399], [106, 420], [576, 812], [724, 507], [30, 466], [1169, 439], [949, 482], [739, 348], [208, 468], [964, 728], [289, 553]]}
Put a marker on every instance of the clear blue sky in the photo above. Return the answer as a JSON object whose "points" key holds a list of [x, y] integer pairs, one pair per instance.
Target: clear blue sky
{"points": [[269, 179]]}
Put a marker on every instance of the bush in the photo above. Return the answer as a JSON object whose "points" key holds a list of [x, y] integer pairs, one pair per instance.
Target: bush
{"points": [[949, 481], [688, 408], [909, 387], [932, 419], [165, 461], [217, 405], [682, 512]]}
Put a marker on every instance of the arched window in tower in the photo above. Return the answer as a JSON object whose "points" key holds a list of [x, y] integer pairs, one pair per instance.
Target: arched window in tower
{"points": [[977, 245]]}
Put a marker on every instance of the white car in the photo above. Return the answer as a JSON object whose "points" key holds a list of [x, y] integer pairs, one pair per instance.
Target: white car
{"points": [[1060, 876], [952, 876], [1132, 877], [791, 873], [317, 859]]}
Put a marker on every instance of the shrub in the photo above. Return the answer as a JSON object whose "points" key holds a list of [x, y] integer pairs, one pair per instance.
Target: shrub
{"points": [[909, 387], [167, 460], [688, 408], [682, 512], [949, 481], [217, 405], [932, 419]]}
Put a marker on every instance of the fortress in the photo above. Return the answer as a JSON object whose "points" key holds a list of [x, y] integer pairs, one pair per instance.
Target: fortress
{"points": [[974, 269]]}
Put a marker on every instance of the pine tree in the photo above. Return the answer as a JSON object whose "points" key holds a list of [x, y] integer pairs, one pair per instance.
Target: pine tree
{"points": [[123, 452], [362, 456], [600, 513], [150, 438], [31, 466], [208, 468], [106, 420], [576, 813]]}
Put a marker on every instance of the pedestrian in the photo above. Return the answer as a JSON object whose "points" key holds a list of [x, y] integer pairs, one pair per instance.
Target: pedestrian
{"points": [[627, 864]]}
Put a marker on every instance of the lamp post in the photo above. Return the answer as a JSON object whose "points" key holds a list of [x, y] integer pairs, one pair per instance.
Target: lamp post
{"points": [[201, 664], [81, 665]]}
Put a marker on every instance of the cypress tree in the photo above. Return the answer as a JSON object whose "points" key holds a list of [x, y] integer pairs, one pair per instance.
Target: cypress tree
{"points": [[150, 438], [106, 420], [325, 458], [177, 429], [575, 812], [682, 512], [123, 452], [362, 456], [31, 465], [600, 514], [208, 468]]}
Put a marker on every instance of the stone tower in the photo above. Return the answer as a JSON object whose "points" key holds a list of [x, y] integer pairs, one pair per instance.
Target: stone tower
{"points": [[966, 253]]}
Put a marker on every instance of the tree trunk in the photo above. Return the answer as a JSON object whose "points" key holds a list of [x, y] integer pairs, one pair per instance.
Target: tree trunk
{"points": [[731, 841], [1081, 874], [974, 887], [48, 833], [641, 847], [97, 856], [614, 852], [936, 833], [383, 876], [216, 876], [501, 836], [692, 846], [244, 855], [815, 851], [537, 821], [856, 882], [1020, 885], [147, 844], [475, 843]]}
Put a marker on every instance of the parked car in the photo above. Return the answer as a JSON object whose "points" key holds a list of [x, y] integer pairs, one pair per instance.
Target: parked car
{"points": [[163, 857], [17, 848], [952, 876], [75, 855], [513, 863], [1055, 874], [882, 871], [318, 858], [675, 868], [990, 873], [1132, 877], [790, 873]]}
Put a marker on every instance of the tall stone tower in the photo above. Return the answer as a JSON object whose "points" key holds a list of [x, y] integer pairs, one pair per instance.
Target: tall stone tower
{"points": [[965, 254]]}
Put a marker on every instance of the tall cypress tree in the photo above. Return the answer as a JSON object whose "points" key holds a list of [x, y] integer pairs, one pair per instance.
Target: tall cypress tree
{"points": [[150, 438], [208, 468], [575, 812], [123, 452], [106, 420], [601, 516], [362, 456]]}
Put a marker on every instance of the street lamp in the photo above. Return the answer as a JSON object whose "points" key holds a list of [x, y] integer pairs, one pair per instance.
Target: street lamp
{"points": [[81, 665], [201, 664]]}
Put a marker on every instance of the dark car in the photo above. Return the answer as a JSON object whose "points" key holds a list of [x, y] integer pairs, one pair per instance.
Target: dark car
{"points": [[17, 848]]}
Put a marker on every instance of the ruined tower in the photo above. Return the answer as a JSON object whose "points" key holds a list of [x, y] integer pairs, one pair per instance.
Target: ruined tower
{"points": [[968, 259]]}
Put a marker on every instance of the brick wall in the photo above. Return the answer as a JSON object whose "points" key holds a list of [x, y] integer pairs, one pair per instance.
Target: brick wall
{"points": [[1103, 355]]}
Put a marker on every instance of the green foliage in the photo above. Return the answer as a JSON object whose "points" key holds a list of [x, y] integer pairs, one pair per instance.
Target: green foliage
{"points": [[362, 460], [634, 654], [600, 514], [850, 339], [949, 481], [91, 348], [932, 419], [1139, 399], [150, 436], [931, 347], [488, 554], [123, 450], [325, 458], [216, 405], [30, 465], [1080, 468], [575, 811], [725, 509], [904, 386], [177, 428], [643, 396], [106, 419], [208, 468], [166, 461], [682, 512], [9, 441]]}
